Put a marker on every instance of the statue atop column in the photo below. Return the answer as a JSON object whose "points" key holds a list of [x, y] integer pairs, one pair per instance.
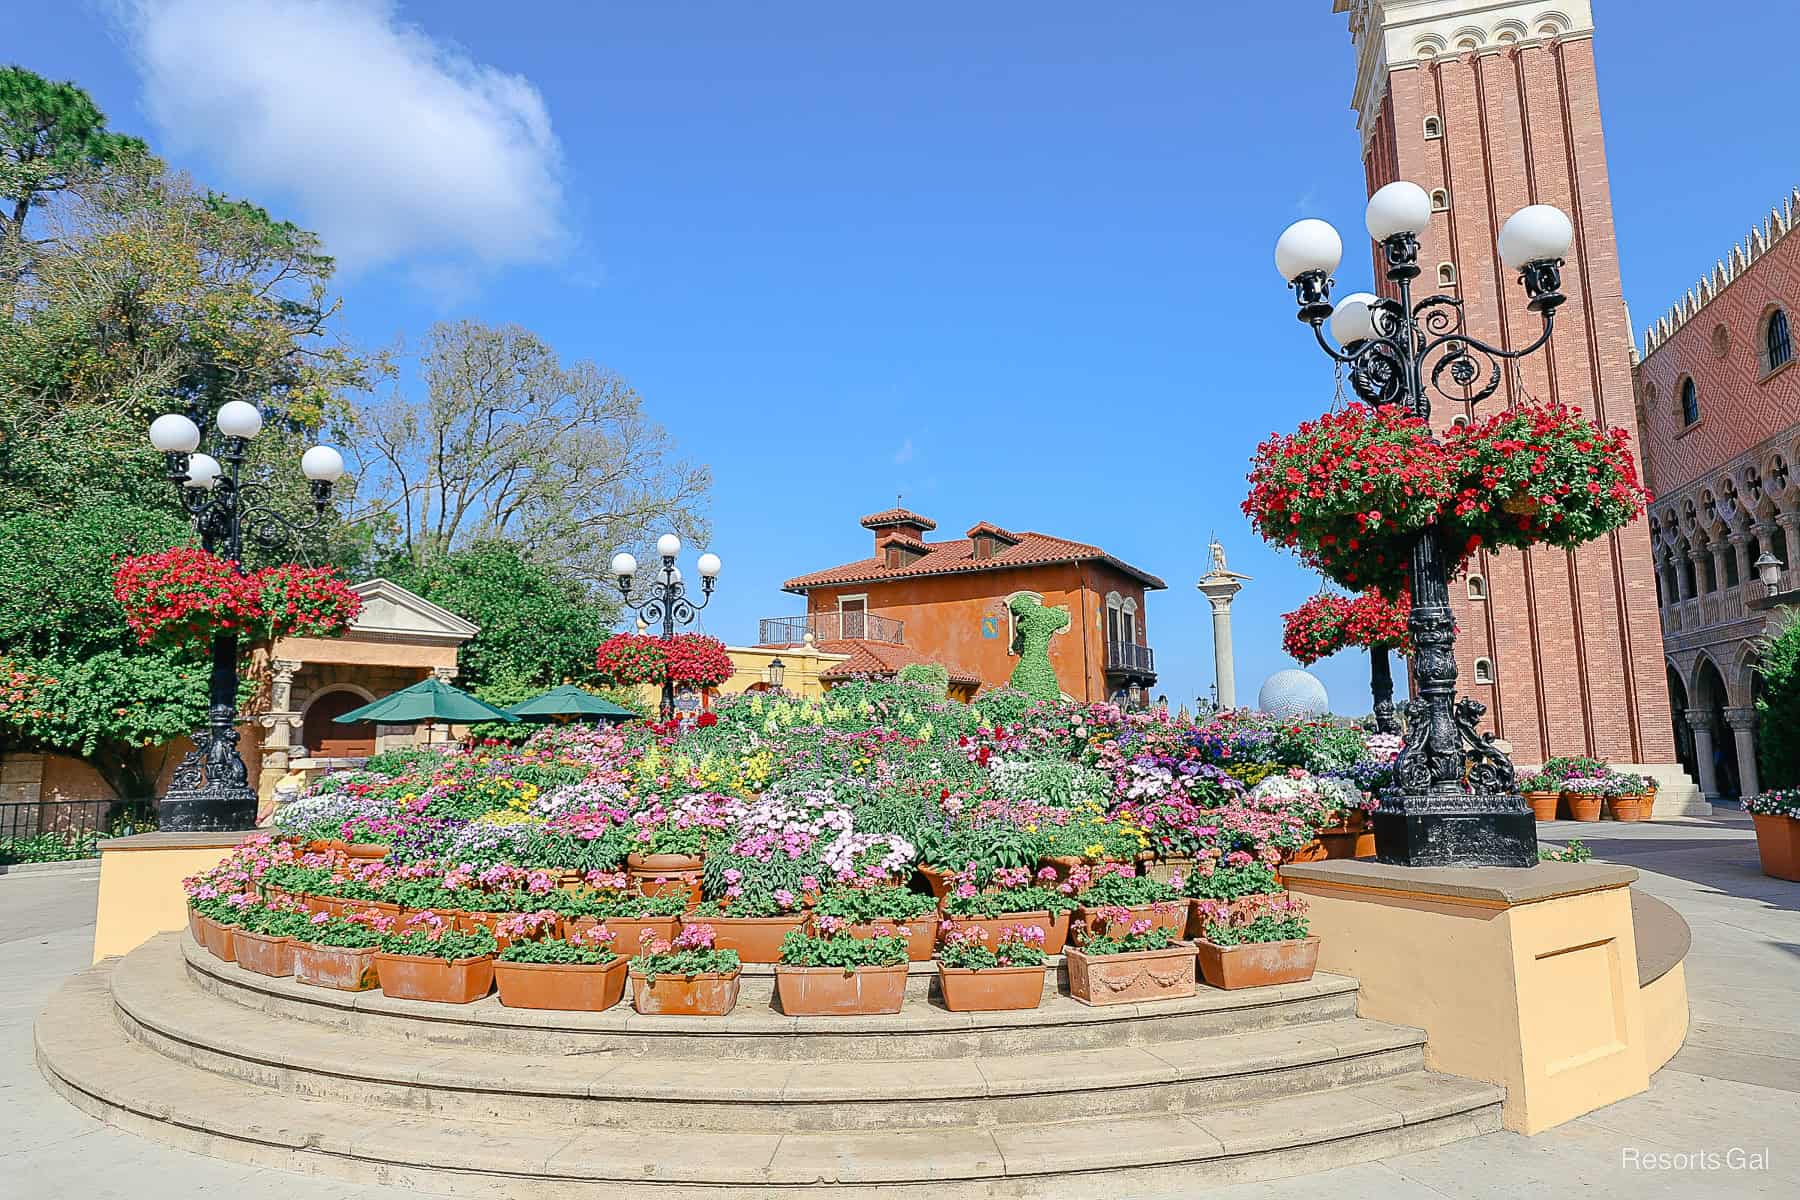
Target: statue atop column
{"points": [[1220, 585]]}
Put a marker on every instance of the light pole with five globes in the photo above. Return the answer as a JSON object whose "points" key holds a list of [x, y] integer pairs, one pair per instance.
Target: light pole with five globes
{"points": [[665, 598]]}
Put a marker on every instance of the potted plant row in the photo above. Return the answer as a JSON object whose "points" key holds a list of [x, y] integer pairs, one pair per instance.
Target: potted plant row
{"points": [[1240, 881], [882, 910], [685, 976], [1256, 944], [581, 973], [1776, 815], [1011, 898], [1112, 898], [979, 974], [754, 924], [835, 974], [427, 958]]}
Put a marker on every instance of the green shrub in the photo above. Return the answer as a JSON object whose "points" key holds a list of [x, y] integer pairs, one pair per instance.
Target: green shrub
{"points": [[1778, 711]]}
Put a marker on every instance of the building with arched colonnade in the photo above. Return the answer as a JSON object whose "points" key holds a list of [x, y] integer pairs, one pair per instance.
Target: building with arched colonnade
{"points": [[1718, 401]]}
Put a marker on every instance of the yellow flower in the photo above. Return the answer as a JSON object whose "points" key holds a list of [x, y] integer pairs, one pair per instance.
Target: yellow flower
{"points": [[1094, 851]]}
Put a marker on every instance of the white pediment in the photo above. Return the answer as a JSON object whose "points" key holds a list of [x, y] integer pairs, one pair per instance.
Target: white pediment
{"points": [[391, 611]]}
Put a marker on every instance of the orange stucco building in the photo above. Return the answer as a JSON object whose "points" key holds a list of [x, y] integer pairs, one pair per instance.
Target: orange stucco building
{"points": [[946, 602]]}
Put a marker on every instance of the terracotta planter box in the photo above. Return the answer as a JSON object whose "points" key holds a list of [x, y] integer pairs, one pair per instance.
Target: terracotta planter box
{"points": [[1196, 921], [1313, 851], [263, 954], [996, 925], [568, 987], [756, 939], [1258, 964], [684, 996], [1582, 806], [1162, 869], [409, 977], [1130, 978], [995, 989], [1056, 934], [1353, 839], [220, 940], [918, 946], [627, 931], [197, 926], [369, 851], [830, 992], [1543, 804], [348, 969], [325, 845], [655, 874], [274, 895], [1062, 864], [1778, 845], [1633, 807], [1089, 923], [468, 922]]}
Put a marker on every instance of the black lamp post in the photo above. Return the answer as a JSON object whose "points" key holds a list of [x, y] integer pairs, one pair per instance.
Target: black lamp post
{"points": [[211, 789], [666, 598], [1456, 800]]}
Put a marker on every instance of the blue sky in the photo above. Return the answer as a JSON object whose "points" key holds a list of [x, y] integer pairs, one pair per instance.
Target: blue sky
{"points": [[1011, 261]]}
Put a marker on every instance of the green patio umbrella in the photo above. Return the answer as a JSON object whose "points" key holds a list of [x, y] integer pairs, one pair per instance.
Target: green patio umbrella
{"points": [[571, 701], [426, 701]]}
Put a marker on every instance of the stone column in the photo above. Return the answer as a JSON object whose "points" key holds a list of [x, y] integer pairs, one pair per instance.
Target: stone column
{"points": [[1700, 720], [1684, 589], [1220, 587], [1743, 730], [281, 720], [1740, 555], [1717, 549], [1789, 520]]}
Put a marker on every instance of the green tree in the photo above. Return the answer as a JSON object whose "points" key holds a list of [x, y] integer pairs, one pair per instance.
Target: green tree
{"points": [[539, 627], [53, 137], [1778, 710], [96, 694]]}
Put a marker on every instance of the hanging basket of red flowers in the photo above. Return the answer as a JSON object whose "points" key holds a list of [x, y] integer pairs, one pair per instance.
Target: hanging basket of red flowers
{"points": [[1539, 473], [179, 598], [304, 602], [1349, 491], [698, 661], [628, 659], [1326, 624]]}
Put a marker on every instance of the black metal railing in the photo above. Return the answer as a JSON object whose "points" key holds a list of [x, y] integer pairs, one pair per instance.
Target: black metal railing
{"points": [[830, 627], [1129, 656], [28, 818]]}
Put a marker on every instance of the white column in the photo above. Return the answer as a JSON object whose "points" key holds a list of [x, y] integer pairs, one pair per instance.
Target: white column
{"points": [[1223, 667], [1743, 730], [1701, 721]]}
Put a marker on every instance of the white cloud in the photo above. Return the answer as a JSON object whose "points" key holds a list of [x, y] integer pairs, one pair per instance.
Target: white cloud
{"points": [[905, 452], [394, 146]]}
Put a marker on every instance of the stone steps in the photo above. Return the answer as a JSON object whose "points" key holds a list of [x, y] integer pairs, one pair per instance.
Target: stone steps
{"points": [[84, 1047], [756, 1029], [160, 1008]]}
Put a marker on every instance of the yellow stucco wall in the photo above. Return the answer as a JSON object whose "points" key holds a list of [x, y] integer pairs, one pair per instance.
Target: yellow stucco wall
{"points": [[1665, 1016], [140, 885], [1540, 997], [802, 668]]}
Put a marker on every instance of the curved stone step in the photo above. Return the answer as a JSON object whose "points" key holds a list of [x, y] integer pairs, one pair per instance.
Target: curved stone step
{"points": [[923, 1029], [93, 1062], [160, 1007]]}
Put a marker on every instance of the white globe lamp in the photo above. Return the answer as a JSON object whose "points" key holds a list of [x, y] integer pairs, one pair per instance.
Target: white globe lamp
{"points": [[239, 419], [709, 566], [1353, 320], [1398, 208], [624, 565], [1538, 233], [1307, 246], [173, 433], [322, 464], [202, 471], [668, 545]]}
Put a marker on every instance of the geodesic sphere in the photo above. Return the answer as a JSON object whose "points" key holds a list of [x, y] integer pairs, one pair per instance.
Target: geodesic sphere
{"points": [[1293, 693]]}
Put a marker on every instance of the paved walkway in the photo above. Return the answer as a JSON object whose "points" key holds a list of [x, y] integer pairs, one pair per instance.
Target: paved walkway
{"points": [[1734, 1085]]}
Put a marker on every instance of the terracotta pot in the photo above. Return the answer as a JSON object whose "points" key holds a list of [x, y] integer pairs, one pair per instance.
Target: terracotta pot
{"points": [[1162, 869], [830, 992], [1062, 864], [996, 925], [318, 904], [366, 850], [468, 922], [1196, 920], [627, 931], [1543, 804], [220, 940], [197, 926], [1089, 923], [273, 895], [918, 946], [325, 845], [711, 995], [1258, 964], [386, 908], [656, 874], [1128, 978], [570, 987], [348, 969], [410, 977], [1633, 806], [1056, 933], [1313, 851], [1778, 845], [996, 989], [937, 880], [756, 939], [264, 954], [1582, 806]]}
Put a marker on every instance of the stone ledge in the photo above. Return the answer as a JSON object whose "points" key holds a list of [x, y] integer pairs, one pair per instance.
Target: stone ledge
{"points": [[1489, 887], [1663, 937], [179, 841]]}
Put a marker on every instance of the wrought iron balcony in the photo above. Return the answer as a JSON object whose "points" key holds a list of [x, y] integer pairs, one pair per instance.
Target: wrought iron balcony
{"points": [[1129, 658], [830, 627]]}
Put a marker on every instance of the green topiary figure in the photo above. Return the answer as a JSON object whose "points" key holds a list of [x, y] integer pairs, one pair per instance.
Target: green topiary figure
{"points": [[934, 677], [1034, 626]]}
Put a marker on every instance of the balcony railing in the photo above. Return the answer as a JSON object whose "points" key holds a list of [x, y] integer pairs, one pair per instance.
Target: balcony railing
{"points": [[1130, 657], [830, 627]]}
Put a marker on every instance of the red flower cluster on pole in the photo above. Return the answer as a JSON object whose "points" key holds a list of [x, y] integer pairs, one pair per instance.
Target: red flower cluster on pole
{"points": [[1326, 624], [687, 660], [180, 598], [1349, 491]]}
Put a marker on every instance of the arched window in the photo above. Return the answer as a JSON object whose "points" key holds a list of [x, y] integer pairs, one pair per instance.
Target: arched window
{"points": [[1440, 200], [1484, 670], [1434, 128], [1446, 274], [1690, 401], [1778, 342], [1477, 587]]}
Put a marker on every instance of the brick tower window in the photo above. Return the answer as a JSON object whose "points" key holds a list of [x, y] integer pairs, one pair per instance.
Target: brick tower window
{"points": [[1778, 341], [1477, 587], [1440, 200], [1446, 274], [1484, 670], [1434, 128]]}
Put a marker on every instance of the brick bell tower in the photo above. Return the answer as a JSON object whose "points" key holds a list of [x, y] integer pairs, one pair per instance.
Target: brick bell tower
{"points": [[1491, 105]]}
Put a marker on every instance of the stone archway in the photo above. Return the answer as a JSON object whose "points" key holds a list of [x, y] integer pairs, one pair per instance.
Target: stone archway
{"points": [[1713, 741], [1684, 732], [320, 732]]}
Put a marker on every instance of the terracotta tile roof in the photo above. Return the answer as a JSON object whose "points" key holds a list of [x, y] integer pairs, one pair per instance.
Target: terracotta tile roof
{"points": [[958, 556], [989, 527], [880, 658], [897, 516]]}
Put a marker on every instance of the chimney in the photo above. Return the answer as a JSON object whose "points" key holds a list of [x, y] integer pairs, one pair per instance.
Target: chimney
{"points": [[899, 522]]}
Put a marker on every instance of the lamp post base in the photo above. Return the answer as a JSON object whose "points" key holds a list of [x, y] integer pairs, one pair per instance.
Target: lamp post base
{"points": [[1501, 832], [208, 811]]}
